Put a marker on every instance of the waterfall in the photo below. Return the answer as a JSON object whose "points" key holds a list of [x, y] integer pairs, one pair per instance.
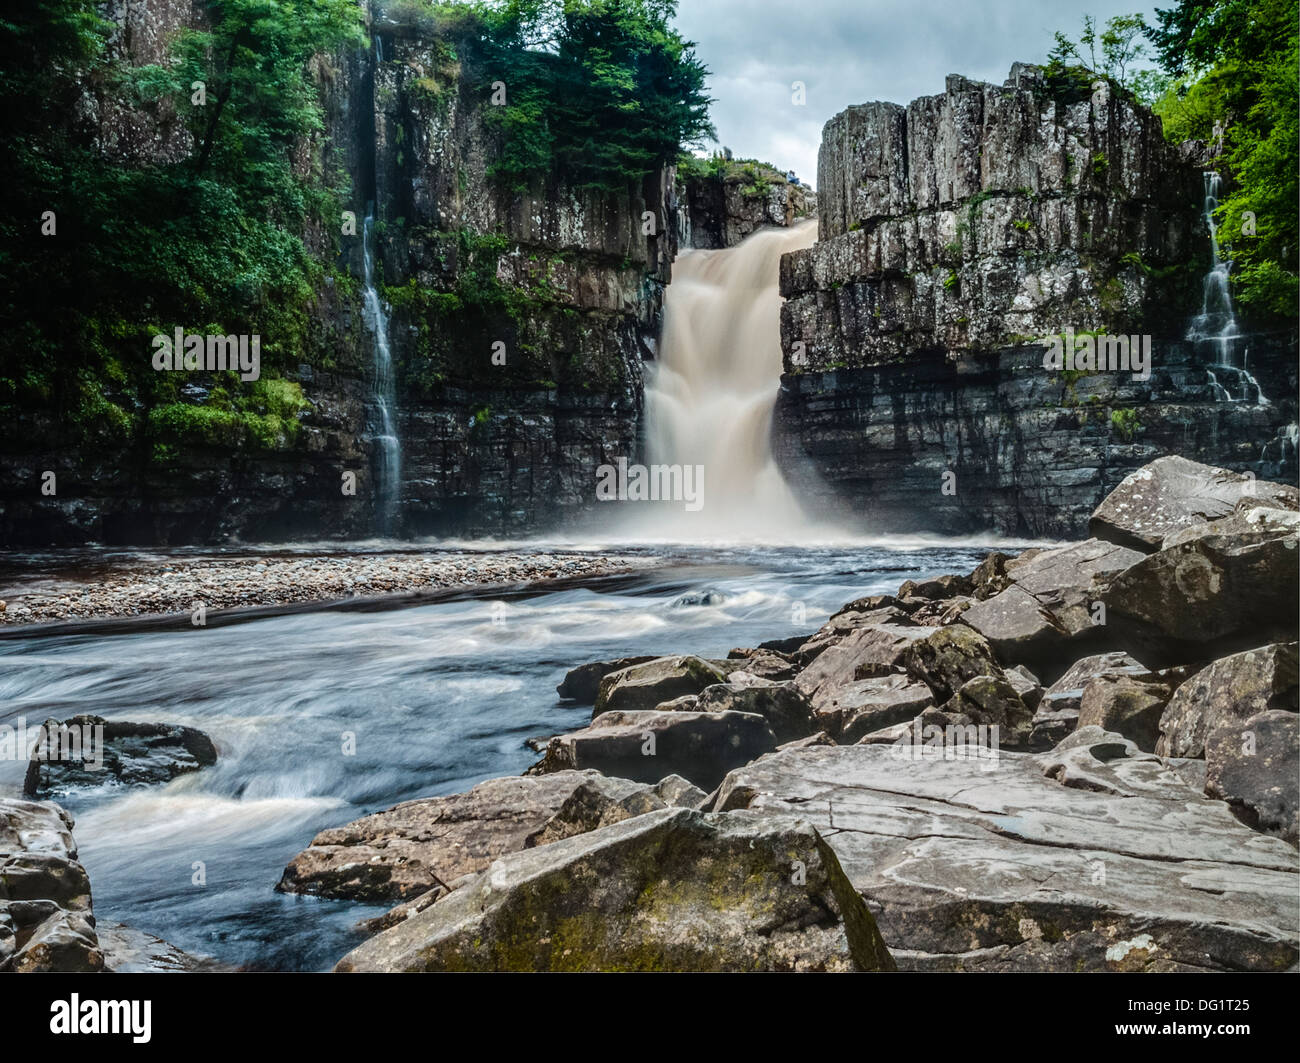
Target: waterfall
{"points": [[384, 429], [1214, 329], [710, 396]]}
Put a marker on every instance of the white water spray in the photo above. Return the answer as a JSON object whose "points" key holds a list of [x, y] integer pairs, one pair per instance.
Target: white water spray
{"points": [[710, 397]]}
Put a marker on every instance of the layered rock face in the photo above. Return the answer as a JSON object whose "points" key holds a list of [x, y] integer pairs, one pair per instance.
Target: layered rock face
{"points": [[719, 209], [953, 234], [520, 318]]}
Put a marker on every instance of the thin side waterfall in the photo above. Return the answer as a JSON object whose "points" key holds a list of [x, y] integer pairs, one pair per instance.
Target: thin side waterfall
{"points": [[389, 448], [1214, 330], [710, 396]]}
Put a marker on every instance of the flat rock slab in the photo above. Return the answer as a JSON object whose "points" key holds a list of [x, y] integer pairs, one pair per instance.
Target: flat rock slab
{"points": [[420, 845], [672, 890], [980, 866], [1173, 493]]}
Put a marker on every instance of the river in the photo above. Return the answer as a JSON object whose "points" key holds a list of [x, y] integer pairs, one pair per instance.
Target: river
{"points": [[438, 696]]}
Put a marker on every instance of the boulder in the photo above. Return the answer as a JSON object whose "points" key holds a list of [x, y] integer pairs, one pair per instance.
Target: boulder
{"points": [[600, 801], [581, 684], [673, 890], [1173, 493], [992, 701], [643, 686], [645, 746], [1209, 595], [131, 754], [945, 659], [1026, 684], [865, 653], [948, 586], [1254, 765], [1049, 609], [976, 866], [1248, 523], [46, 920], [990, 576], [430, 842], [1232, 688], [1057, 712], [1126, 706], [764, 664], [783, 705], [869, 705], [845, 623]]}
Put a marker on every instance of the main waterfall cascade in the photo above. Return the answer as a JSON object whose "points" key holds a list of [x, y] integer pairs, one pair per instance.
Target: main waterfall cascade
{"points": [[389, 448], [1214, 329], [710, 396]]}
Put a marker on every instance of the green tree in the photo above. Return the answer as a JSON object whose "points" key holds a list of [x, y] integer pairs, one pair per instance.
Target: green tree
{"points": [[600, 91], [1234, 65]]}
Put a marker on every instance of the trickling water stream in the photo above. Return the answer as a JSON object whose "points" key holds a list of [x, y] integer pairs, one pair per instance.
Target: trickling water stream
{"points": [[1214, 330], [389, 447]]}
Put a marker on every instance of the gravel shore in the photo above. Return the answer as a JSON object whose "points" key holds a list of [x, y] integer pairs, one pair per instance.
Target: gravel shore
{"points": [[176, 585]]}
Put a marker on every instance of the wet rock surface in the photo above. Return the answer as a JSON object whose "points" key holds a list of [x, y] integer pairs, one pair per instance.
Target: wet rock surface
{"points": [[90, 751], [673, 890]]}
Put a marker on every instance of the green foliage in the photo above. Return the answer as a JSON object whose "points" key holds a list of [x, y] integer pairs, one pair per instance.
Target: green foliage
{"points": [[1234, 66], [209, 242], [1125, 424], [601, 91], [1109, 52]]}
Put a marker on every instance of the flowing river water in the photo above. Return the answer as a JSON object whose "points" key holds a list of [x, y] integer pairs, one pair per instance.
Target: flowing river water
{"points": [[438, 696]]}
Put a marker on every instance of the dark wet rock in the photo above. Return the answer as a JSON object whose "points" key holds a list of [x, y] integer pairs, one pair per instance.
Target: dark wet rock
{"points": [[134, 754], [581, 684], [869, 705], [646, 745], [600, 801], [428, 843], [992, 701], [947, 658], [1026, 684], [975, 865], [1057, 712], [673, 890], [1254, 765], [1171, 494], [1126, 706], [1232, 688], [783, 705], [643, 686], [46, 920]]}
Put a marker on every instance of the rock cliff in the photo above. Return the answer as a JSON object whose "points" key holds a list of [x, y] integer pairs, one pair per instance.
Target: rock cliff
{"points": [[956, 232]]}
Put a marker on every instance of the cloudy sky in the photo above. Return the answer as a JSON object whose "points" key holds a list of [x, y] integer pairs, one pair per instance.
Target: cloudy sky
{"points": [[852, 51]]}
